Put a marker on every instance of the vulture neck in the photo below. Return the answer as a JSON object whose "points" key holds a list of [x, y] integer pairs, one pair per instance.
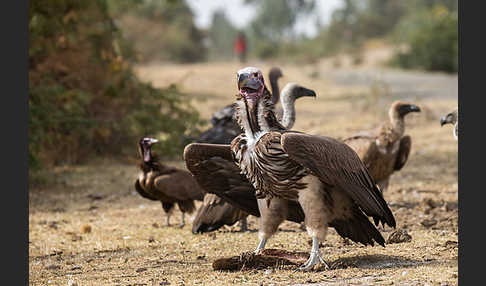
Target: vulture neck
{"points": [[397, 121], [275, 89], [258, 121], [288, 107], [151, 165]]}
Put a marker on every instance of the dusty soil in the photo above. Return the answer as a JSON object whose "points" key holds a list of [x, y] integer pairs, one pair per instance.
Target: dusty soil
{"points": [[91, 228]]}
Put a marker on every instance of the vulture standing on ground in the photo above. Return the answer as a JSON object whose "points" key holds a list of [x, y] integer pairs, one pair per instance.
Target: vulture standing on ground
{"points": [[386, 149], [451, 118], [215, 211], [166, 184], [323, 175]]}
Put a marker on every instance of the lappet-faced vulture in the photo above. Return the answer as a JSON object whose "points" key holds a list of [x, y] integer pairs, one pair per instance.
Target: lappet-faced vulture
{"points": [[385, 150], [323, 175], [166, 184], [215, 211], [452, 118]]}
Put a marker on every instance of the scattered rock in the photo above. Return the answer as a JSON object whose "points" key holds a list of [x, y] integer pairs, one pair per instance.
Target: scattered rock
{"points": [[85, 228], [95, 197], [76, 267], [399, 236], [451, 243], [164, 283], [450, 206], [268, 272], [155, 225], [71, 283], [429, 222], [151, 239], [141, 269], [53, 224], [53, 267]]}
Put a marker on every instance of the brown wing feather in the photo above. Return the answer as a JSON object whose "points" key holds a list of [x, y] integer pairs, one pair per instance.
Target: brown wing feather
{"points": [[179, 185], [336, 164], [213, 168], [214, 213], [143, 192]]}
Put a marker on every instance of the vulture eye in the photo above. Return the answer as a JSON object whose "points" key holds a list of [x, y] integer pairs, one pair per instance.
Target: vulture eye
{"points": [[255, 74]]}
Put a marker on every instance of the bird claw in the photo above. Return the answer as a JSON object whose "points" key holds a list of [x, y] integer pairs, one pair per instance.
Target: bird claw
{"points": [[314, 258]]}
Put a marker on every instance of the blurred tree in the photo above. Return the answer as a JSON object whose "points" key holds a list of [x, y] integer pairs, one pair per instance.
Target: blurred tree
{"points": [[84, 99], [221, 35], [160, 29], [431, 39], [275, 20]]}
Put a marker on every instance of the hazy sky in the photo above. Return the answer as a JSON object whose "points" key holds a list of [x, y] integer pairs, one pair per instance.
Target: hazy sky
{"points": [[240, 14]]}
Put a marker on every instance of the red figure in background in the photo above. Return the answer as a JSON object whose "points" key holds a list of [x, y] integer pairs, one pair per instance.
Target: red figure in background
{"points": [[240, 47]]}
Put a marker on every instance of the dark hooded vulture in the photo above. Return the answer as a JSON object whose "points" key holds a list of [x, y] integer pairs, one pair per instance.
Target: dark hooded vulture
{"points": [[166, 184], [451, 118], [215, 211], [385, 150], [224, 126], [323, 175]]}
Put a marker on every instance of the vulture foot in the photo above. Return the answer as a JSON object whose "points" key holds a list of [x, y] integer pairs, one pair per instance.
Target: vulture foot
{"points": [[314, 258], [243, 225], [260, 246]]}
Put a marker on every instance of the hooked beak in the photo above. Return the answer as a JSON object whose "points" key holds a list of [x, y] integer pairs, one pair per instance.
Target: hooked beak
{"points": [[443, 121], [306, 92], [413, 108], [250, 87]]}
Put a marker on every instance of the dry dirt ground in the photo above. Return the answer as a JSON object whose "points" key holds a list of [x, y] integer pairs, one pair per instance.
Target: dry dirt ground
{"points": [[91, 228]]}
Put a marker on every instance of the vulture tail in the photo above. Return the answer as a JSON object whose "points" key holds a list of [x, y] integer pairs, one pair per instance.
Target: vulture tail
{"points": [[358, 228]]}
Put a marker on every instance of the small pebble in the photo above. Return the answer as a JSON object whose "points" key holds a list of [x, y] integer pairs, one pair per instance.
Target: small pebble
{"points": [[53, 267], [85, 228], [268, 271], [71, 283]]}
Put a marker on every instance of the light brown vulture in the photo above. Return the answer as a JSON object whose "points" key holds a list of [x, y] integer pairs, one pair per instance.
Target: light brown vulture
{"points": [[323, 175], [166, 184], [451, 118], [385, 150], [215, 211]]}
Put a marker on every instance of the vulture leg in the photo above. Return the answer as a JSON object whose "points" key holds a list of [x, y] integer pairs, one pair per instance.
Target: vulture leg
{"points": [[271, 216], [261, 245], [314, 258], [317, 203], [167, 208], [182, 220], [243, 225]]}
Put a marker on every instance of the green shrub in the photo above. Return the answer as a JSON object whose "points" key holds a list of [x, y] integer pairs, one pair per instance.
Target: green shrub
{"points": [[431, 40], [84, 99]]}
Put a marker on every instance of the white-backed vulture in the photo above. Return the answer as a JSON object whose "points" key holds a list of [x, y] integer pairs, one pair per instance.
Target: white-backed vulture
{"points": [[166, 184], [385, 150], [324, 175], [215, 212], [452, 118]]}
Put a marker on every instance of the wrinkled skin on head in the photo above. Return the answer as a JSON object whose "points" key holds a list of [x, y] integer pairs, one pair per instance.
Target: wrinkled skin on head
{"points": [[145, 144]]}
